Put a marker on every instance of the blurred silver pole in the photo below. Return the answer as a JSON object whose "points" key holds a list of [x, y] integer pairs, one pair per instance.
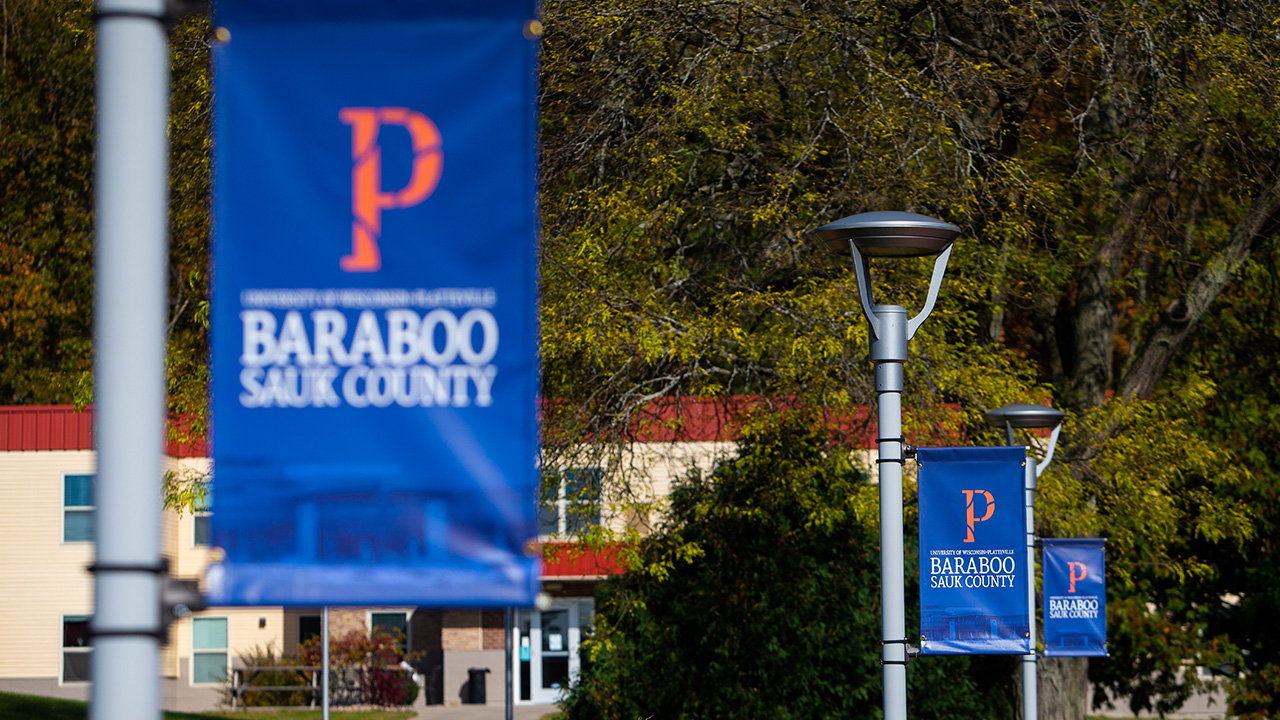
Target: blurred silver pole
{"points": [[324, 662], [130, 301], [510, 647]]}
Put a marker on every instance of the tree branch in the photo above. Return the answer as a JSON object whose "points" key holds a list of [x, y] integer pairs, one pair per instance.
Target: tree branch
{"points": [[1180, 316]]}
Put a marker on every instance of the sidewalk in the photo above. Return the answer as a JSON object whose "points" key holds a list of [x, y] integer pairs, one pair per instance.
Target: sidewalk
{"points": [[492, 711]]}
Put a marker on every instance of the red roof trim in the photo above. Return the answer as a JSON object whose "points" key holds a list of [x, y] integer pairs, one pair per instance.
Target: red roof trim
{"points": [[45, 427], [709, 419], [29, 428], [718, 419], [567, 561], [666, 420]]}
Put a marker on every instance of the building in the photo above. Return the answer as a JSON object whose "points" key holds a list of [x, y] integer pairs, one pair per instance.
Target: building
{"points": [[47, 466]]}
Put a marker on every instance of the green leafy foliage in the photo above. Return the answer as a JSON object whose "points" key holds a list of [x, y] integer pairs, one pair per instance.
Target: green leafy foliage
{"points": [[46, 172], [1112, 168], [46, 209], [364, 669], [1242, 592], [190, 122]]}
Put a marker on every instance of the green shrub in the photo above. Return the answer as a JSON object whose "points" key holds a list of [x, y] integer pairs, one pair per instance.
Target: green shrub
{"points": [[264, 657]]}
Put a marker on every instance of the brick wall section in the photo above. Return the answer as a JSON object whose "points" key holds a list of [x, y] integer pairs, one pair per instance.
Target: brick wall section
{"points": [[461, 630], [344, 620], [493, 625]]}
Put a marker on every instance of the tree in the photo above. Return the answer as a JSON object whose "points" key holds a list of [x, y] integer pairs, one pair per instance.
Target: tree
{"points": [[1113, 167], [46, 175], [46, 170], [1240, 595], [46, 213], [1111, 164]]}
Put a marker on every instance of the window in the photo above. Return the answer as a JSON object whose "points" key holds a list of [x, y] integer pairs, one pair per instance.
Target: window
{"points": [[200, 518], [200, 529], [391, 623], [209, 650], [77, 508], [570, 501], [77, 648]]}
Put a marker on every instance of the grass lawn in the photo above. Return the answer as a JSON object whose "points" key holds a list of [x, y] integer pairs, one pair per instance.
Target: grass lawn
{"points": [[33, 707]]}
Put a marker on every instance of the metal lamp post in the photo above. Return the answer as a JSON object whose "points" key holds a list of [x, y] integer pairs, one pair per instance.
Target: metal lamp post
{"points": [[1024, 415], [891, 235]]}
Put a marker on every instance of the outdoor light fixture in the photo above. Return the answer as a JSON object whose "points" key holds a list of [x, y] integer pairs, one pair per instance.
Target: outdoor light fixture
{"points": [[891, 235], [1025, 415]]}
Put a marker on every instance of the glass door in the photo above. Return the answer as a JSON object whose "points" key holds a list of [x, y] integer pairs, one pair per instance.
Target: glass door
{"points": [[548, 643], [554, 659]]}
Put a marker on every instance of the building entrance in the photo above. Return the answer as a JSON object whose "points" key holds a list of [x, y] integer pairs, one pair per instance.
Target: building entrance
{"points": [[548, 647]]}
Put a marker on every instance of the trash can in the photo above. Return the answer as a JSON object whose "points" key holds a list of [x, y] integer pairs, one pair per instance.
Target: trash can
{"points": [[475, 681]]}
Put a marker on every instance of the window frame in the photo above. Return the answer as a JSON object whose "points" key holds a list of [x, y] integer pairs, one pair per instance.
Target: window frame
{"points": [[564, 501], [202, 512], [226, 651], [90, 510], [63, 647], [408, 624], [196, 517]]}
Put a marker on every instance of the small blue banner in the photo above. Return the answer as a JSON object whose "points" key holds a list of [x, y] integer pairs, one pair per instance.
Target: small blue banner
{"points": [[374, 306], [973, 556], [1075, 597]]}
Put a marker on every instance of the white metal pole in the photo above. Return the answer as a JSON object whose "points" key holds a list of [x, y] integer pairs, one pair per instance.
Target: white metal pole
{"points": [[324, 662], [889, 353], [130, 301]]}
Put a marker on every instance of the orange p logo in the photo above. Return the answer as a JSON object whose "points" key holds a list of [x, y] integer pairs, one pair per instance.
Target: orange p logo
{"points": [[968, 509], [1071, 572], [367, 198]]}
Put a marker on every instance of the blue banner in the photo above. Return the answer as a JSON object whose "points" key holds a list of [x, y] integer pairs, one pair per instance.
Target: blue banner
{"points": [[374, 302], [1075, 597], [973, 556]]}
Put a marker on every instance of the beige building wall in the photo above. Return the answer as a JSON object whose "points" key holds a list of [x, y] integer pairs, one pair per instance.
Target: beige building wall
{"points": [[651, 469], [187, 560], [42, 578], [647, 472]]}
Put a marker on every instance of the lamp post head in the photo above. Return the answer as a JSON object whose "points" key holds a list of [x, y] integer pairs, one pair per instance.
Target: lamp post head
{"points": [[1024, 415], [890, 234]]}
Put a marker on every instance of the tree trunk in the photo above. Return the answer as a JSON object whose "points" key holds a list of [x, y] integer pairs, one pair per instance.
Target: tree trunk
{"points": [[1091, 374], [1094, 320], [1063, 688]]}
